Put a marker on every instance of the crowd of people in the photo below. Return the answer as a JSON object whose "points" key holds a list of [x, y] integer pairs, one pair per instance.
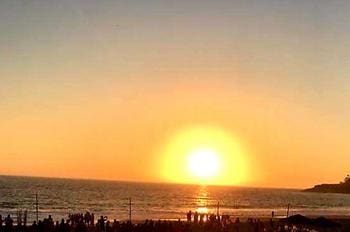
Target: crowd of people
{"points": [[196, 222]]}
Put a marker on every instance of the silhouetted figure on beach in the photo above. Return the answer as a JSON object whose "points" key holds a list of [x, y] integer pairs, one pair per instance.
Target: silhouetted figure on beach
{"points": [[81, 227], [115, 226], [101, 223], [195, 217], [61, 226], [34, 227], [201, 217], [212, 218], [92, 219], [50, 220], [47, 225], [108, 226], [8, 223], [189, 216], [87, 218], [19, 218], [236, 225], [40, 226], [25, 215]]}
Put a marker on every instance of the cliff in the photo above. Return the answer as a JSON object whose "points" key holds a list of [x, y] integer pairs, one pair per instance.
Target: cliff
{"points": [[342, 187]]}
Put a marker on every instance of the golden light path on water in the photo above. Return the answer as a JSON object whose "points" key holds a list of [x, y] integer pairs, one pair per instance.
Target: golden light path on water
{"points": [[206, 156], [202, 200], [204, 204]]}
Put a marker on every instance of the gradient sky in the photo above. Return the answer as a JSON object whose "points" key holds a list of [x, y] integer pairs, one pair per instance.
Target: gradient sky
{"points": [[95, 89]]}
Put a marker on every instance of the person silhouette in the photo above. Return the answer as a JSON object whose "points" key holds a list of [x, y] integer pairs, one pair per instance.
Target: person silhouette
{"points": [[8, 223], [101, 223], [62, 226], [25, 218], [195, 217], [201, 217], [34, 227], [50, 218], [189, 216], [92, 219]]}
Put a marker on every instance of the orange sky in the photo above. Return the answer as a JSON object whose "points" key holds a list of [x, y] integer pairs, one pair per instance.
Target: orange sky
{"points": [[100, 91]]}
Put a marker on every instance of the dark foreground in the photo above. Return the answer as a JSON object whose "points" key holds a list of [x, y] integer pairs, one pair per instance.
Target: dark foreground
{"points": [[211, 223]]}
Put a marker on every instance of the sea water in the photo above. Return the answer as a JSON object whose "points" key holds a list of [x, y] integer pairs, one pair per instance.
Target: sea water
{"points": [[59, 197]]}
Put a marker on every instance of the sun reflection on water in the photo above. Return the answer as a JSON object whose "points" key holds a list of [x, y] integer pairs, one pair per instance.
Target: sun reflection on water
{"points": [[202, 200], [203, 210]]}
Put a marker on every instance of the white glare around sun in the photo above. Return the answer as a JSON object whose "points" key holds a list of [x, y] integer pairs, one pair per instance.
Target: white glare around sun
{"points": [[203, 163]]}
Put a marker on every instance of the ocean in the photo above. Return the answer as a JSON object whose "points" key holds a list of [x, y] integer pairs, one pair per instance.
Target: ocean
{"points": [[59, 197]]}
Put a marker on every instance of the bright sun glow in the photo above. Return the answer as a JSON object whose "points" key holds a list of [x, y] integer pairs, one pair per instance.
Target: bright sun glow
{"points": [[205, 155], [204, 163]]}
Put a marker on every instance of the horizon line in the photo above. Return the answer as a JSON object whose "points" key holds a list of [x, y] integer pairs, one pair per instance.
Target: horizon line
{"points": [[144, 182]]}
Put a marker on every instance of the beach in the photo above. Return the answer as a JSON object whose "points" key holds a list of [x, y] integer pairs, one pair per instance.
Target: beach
{"points": [[212, 223]]}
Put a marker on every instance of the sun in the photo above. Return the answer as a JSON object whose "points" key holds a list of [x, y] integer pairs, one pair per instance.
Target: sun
{"points": [[204, 155], [204, 163]]}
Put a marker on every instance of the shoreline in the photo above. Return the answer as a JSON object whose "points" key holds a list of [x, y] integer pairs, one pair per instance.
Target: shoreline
{"points": [[79, 223], [88, 222], [183, 219]]}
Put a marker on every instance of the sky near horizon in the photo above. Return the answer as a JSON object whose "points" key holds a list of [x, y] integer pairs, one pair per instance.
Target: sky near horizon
{"points": [[101, 89]]}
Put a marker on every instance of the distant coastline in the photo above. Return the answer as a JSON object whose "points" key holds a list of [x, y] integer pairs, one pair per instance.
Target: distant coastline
{"points": [[342, 187]]}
